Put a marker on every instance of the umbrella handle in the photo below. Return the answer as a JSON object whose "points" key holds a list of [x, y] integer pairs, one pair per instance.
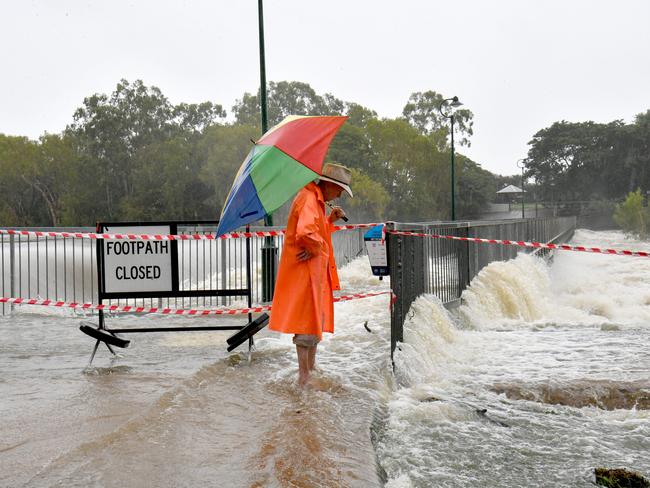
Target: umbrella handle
{"points": [[345, 219]]}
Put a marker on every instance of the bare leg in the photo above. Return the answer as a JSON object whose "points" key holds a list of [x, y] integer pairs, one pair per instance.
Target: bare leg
{"points": [[312, 357], [303, 364]]}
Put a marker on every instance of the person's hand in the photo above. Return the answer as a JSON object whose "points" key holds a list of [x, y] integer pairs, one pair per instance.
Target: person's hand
{"points": [[304, 255], [337, 214]]}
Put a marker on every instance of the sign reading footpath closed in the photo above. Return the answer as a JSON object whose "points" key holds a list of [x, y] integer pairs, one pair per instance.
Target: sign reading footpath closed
{"points": [[137, 266], [147, 267]]}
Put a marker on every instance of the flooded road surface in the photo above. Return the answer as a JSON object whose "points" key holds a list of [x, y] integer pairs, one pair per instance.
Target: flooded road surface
{"points": [[541, 376]]}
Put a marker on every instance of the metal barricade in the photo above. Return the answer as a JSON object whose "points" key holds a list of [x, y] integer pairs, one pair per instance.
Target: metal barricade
{"points": [[65, 268]]}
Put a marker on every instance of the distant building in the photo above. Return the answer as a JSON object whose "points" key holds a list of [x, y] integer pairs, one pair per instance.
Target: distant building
{"points": [[509, 194]]}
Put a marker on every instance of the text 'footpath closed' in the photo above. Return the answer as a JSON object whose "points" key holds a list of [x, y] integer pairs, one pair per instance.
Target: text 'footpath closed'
{"points": [[137, 272], [126, 248]]}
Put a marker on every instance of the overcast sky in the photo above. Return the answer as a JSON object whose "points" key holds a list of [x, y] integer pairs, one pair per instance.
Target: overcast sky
{"points": [[519, 65]]}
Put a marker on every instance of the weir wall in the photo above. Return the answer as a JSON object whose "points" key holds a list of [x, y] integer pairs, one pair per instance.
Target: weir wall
{"points": [[446, 267]]}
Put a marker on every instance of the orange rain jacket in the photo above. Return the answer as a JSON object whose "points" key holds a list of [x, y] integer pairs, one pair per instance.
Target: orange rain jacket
{"points": [[303, 301]]}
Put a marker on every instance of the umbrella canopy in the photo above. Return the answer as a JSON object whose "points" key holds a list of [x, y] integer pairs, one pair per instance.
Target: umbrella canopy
{"points": [[283, 160]]}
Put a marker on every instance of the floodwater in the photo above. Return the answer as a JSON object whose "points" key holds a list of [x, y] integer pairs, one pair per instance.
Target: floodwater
{"points": [[542, 375]]}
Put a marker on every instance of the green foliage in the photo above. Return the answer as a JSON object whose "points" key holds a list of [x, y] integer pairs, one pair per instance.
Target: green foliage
{"points": [[351, 148], [476, 188], [285, 98], [370, 198], [411, 168], [112, 131], [132, 155], [359, 116], [423, 112], [590, 161], [35, 175], [296, 98], [17, 205], [632, 215], [224, 148]]}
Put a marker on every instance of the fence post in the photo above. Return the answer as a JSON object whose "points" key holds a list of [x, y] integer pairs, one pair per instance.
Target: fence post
{"points": [[394, 250], [269, 268], [465, 274], [224, 271], [406, 265], [12, 272]]}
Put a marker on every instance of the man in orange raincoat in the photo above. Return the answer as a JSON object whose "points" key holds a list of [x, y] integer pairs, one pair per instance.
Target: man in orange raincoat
{"points": [[303, 303]]}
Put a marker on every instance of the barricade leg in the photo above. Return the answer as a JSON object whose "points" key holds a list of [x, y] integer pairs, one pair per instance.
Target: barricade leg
{"points": [[92, 356]]}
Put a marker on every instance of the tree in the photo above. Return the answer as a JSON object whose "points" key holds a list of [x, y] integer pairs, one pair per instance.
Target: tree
{"points": [[17, 207], [296, 98], [632, 215], [35, 178], [581, 161], [639, 145], [194, 118], [422, 111], [351, 148], [111, 130], [49, 173], [411, 169], [224, 148], [284, 98], [370, 198], [359, 116], [132, 154], [476, 188]]}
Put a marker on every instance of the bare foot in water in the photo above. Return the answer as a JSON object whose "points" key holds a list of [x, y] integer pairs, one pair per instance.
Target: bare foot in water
{"points": [[303, 379]]}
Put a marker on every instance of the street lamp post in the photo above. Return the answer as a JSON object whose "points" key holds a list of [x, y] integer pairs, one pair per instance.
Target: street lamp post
{"points": [[269, 250], [522, 164], [265, 121], [450, 115]]}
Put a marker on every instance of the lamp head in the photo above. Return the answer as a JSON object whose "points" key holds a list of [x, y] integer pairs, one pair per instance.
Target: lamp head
{"points": [[455, 103], [448, 102]]}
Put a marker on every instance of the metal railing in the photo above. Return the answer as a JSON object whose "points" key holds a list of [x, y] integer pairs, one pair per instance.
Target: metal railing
{"points": [[64, 269], [445, 267]]}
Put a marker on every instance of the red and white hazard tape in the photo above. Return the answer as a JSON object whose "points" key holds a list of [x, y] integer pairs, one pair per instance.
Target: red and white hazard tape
{"points": [[273, 233], [164, 237], [164, 311], [345, 298], [506, 242]]}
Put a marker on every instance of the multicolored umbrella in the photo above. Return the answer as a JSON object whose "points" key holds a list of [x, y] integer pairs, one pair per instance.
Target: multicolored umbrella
{"points": [[284, 160]]}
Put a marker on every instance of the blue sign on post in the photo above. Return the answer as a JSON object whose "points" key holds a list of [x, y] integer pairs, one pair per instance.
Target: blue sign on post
{"points": [[376, 247]]}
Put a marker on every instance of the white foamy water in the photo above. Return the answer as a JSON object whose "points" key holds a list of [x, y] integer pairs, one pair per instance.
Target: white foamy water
{"points": [[543, 374]]}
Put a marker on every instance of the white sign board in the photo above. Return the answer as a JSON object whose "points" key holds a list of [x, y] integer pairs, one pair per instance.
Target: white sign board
{"points": [[137, 266], [377, 253]]}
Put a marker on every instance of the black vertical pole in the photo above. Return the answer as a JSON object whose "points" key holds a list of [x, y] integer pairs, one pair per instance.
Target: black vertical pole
{"points": [[269, 251], [249, 284], [394, 253], [453, 176], [265, 122], [522, 192], [99, 262]]}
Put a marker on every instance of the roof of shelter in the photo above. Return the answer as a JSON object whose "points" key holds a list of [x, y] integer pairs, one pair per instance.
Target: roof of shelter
{"points": [[511, 189]]}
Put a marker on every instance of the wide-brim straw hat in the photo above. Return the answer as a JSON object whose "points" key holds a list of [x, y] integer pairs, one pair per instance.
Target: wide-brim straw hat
{"points": [[339, 175]]}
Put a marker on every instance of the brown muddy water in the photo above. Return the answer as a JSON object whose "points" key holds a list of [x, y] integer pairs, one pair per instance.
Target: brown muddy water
{"points": [[541, 376]]}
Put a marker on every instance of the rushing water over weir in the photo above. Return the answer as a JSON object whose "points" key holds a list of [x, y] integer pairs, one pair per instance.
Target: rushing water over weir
{"points": [[540, 376]]}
